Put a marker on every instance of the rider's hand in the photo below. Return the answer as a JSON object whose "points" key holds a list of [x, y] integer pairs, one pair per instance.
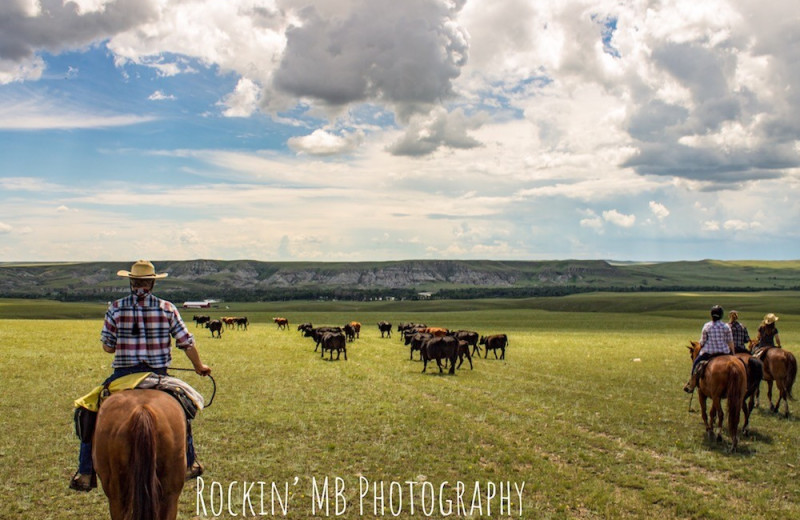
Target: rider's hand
{"points": [[203, 370]]}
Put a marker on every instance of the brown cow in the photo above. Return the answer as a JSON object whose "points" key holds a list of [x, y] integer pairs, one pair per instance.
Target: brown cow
{"points": [[356, 327], [436, 331], [282, 323]]}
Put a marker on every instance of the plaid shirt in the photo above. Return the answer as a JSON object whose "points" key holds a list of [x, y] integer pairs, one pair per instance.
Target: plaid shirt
{"points": [[715, 338], [141, 332], [740, 336]]}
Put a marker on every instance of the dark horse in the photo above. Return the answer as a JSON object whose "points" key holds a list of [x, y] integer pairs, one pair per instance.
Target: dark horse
{"points": [[780, 366], [139, 454], [724, 378]]}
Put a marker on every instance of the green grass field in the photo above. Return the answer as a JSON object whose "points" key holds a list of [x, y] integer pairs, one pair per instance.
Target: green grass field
{"points": [[586, 414]]}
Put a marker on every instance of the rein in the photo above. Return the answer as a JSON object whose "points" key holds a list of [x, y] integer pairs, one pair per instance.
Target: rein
{"points": [[213, 393]]}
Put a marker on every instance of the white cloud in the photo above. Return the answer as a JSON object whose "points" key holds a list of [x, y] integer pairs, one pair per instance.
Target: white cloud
{"points": [[49, 114], [160, 96], [321, 142], [619, 219], [592, 223], [710, 225], [243, 101], [659, 210], [5, 228]]}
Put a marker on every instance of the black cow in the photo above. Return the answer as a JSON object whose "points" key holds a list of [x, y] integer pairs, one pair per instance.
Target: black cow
{"points": [[497, 341], [303, 327], [318, 332], [215, 325], [242, 322], [444, 347], [416, 340], [349, 332], [471, 338], [200, 320], [334, 341], [385, 327]]}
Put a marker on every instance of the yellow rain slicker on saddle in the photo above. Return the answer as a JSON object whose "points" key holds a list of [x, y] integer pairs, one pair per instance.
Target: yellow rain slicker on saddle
{"points": [[90, 400]]}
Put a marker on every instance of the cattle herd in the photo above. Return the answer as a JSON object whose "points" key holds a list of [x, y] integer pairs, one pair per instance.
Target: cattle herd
{"points": [[448, 348], [219, 324]]}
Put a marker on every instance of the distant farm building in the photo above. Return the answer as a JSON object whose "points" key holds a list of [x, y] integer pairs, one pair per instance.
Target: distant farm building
{"points": [[205, 304]]}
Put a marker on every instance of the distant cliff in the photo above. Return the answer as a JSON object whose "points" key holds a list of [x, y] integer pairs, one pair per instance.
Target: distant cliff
{"points": [[249, 280]]}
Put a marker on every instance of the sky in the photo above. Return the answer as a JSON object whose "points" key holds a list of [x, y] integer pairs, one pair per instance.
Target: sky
{"points": [[377, 130]]}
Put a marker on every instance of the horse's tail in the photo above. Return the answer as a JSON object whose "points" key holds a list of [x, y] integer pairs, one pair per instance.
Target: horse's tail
{"points": [[144, 488], [737, 379], [791, 373]]}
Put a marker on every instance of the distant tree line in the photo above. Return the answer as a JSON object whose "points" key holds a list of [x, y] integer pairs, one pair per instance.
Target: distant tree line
{"points": [[179, 295]]}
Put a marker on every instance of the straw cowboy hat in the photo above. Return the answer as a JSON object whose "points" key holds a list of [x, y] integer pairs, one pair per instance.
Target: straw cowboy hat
{"points": [[770, 319], [142, 270]]}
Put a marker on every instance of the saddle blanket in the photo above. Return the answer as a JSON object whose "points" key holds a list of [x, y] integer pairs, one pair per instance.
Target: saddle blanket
{"points": [[91, 401]]}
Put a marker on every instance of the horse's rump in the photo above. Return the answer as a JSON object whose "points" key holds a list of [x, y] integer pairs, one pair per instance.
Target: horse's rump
{"points": [[139, 454]]}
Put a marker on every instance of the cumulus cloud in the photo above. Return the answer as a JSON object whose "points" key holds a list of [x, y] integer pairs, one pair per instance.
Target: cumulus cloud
{"points": [[438, 129], [54, 26], [659, 210], [5, 228], [321, 142], [405, 54], [243, 101], [619, 219]]}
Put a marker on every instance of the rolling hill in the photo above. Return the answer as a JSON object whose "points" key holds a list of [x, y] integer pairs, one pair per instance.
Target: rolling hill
{"points": [[249, 280]]}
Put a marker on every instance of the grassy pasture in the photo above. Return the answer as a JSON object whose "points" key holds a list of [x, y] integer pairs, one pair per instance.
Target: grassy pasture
{"points": [[587, 410]]}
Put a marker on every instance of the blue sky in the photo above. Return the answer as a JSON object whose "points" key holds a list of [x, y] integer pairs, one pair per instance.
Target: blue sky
{"points": [[381, 130]]}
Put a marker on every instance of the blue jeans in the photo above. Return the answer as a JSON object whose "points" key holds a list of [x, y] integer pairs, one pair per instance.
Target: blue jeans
{"points": [[85, 465]]}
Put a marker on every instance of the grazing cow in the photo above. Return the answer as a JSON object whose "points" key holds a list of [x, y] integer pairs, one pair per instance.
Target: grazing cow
{"points": [[416, 340], [444, 347], [215, 326], [471, 338], [410, 327], [303, 327], [436, 331], [229, 321], [497, 341], [349, 332], [385, 327], [200, 320], [282, 323], [463, 350], [317, 334], [356, 327], [242, 322], [334, 341]]}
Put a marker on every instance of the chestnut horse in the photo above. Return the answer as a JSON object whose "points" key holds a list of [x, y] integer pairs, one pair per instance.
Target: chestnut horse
{"points": [[780, 366], [139, 454], [724, 377]]}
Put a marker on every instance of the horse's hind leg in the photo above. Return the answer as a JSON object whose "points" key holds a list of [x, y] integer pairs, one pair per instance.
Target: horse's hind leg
{"points": [[772, 408], [747, 409]]}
